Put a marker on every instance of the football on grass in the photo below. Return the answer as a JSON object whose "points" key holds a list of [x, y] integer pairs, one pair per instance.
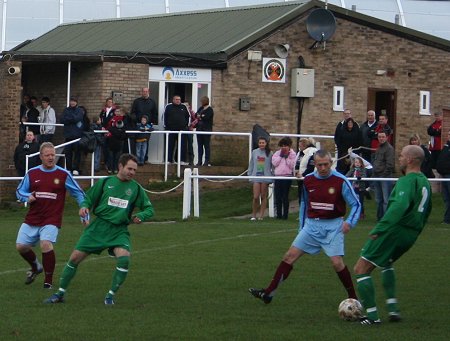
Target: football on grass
{"points": [[350, 309]]}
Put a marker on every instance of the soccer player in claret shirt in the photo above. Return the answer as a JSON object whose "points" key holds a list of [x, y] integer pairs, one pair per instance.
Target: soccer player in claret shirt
{"points": [[322, 225], [406, 215], [44, 189], [112, 200]]}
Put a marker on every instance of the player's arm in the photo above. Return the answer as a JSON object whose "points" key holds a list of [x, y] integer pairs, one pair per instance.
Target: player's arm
{"points": [[75, 189], [302, 211], [352, 201], [23, 190], [145, 206]]}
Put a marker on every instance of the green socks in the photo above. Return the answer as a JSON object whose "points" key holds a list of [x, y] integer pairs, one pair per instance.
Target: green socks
{"points": [[68, 273], [367, 295], [120, 274], [388, 280]]}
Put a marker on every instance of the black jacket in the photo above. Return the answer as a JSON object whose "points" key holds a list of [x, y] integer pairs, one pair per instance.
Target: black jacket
{"points": [[176, 117], [22, 150], [443, 161]]}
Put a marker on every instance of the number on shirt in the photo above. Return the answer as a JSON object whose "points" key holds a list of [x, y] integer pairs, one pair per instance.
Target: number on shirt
{"points": [[424, 199]]}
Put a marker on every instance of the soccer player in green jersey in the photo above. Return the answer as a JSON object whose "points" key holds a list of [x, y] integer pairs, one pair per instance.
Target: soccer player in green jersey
{"points": [[406, 215], [112, 200]]}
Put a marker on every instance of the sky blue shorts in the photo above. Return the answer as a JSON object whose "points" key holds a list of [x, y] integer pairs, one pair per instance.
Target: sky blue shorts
{"points": [[31, 235], [323, 234]]}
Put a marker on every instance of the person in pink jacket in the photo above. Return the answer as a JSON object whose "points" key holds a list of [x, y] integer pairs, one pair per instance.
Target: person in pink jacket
{"points": [[283, 162]]}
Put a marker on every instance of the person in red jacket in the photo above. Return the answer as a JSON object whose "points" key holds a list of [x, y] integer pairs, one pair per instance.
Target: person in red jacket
{"points": [[434, 130]]}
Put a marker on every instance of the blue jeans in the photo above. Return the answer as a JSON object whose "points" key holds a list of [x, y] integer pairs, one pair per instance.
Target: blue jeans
{"points": [[382, 192], [446, 196], [141, 151], [97, 157]]}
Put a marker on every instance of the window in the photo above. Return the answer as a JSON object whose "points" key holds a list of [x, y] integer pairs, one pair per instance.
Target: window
{"points": [[338, 98], [424, 104]]}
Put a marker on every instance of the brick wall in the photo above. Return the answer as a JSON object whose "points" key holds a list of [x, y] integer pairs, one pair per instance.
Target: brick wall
{"points": [[10, 90]]}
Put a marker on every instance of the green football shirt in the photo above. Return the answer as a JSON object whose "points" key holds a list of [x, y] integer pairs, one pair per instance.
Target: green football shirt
{"points": [[409, 205], [114, 200]]}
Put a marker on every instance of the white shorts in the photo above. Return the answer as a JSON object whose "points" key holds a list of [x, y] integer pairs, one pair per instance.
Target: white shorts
{"points": [[31, 235]]}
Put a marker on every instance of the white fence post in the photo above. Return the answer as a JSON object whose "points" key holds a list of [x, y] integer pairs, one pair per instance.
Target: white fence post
{"points": [[271, 201], [187, 193], [196, 195]]}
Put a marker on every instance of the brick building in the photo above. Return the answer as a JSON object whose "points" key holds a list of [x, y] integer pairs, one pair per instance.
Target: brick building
{"points": [[367, 64]]}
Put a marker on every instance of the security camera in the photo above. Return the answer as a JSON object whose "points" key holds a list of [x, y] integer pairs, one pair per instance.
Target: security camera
{"points": [[14, 70]]}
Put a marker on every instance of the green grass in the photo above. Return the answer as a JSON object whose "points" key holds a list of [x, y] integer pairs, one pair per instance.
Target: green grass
{"points": [[189, 280]]}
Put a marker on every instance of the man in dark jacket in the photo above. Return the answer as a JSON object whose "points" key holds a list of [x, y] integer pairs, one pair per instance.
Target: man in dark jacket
{"points": [[27, 147], [143, 105], [72, 118], [443, 167], [176, 118]]}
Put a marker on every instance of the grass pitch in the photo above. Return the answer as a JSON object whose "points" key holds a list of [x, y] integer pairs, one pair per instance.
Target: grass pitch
{"points": [[189, 280]]}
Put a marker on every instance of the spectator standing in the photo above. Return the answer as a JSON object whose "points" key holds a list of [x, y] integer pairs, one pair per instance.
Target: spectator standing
{"points": [[425, 167], [113, 205], [443, 168], [205, 116], [283, 161], [338, 139], [23, 116], [307, 148], [100, 138], [350, 137], [383, 167], [176, 118], [32, 116], [106, 114], [190, 137], [27, 147], [142, 139], [143, 105], [115, 139], [260, 165], [407, 213], [322, 225], [48, 116], [382, 126], [72, 118], [366, 129], [44, 189], [435, 131], [358, 171]]}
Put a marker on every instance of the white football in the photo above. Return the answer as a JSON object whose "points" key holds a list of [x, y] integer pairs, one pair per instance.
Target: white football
{"points": [[350, 309]]}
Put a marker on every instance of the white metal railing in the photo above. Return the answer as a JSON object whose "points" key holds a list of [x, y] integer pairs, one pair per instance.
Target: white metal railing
{"points": [[191, 184]]}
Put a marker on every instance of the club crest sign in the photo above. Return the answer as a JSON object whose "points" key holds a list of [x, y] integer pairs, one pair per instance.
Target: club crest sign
{"points": [[274, 70]]}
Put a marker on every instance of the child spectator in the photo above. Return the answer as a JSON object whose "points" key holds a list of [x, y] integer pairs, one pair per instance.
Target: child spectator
{"points": [[142, 139], [100, 137], [260, 165], [283, 162], [358, 171], [115, 139]]}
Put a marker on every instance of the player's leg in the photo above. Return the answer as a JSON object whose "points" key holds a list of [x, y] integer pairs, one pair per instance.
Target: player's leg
{"points": [[389, 285], [48, 236], [281, 274], [120, 274], [27, 237], [344, 275], [366, 289]]}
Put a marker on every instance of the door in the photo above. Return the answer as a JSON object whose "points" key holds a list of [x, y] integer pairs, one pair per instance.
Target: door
{"points": [[384, 101]]}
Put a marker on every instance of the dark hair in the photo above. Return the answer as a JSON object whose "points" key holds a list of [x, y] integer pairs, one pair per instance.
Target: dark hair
{"points": [[285, 141], [45, 99], [267, 148], [348, 120], [124, 158]]}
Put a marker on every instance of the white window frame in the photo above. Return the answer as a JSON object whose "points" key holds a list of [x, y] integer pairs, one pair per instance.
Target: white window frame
{"points": [[424, 103], [338, 98]]}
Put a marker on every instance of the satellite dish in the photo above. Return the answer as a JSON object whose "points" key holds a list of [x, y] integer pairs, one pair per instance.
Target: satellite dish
{"points": [[321, 25]]}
